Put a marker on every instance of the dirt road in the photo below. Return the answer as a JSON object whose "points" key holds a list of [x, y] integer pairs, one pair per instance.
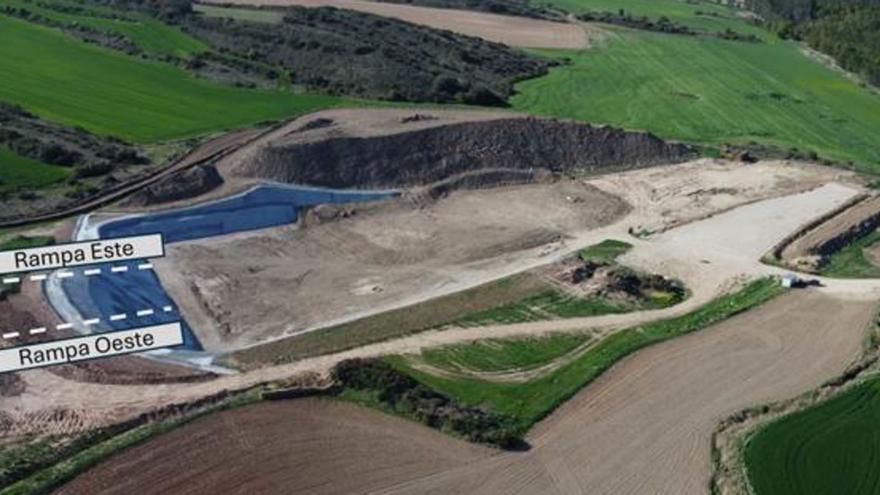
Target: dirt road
{"points": [[708, 255], [510, 30], [645, 426], [642, 427]]}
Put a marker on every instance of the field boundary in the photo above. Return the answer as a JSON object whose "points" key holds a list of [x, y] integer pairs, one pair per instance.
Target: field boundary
{"points": [[733, 434]]}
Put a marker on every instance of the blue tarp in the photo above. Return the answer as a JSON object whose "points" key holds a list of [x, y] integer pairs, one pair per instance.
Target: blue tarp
{"points": [[135, 290]]}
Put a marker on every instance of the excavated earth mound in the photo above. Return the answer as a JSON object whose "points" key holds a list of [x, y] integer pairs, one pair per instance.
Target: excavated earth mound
{"points": [[440, 153], [185, 184], [816, 242]]}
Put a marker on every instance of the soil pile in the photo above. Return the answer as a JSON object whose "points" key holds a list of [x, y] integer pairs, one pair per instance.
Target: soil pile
{"points": [[810, 247], [440, 153], [186, 184]]}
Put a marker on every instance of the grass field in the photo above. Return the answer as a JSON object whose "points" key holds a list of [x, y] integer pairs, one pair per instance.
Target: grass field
{"points": [[713, 91], [851, 261], [547, 304], [25, 242], [530, 401], [608, 250], [706, 15], [107, 92], [20, 172], [832, 448], [504, 354], [150, 34]]}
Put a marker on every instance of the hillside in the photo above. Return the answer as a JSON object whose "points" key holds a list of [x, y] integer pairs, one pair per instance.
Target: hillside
{"points": [[847, 30]]}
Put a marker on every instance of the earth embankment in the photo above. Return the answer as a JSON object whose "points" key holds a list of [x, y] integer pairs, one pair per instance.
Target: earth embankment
{"points": [[808, 248], [433, 154]]}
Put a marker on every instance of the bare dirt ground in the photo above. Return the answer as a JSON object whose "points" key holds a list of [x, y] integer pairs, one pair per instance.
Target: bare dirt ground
{"points": [[330, 271], [724, 248], [510, 30], [388, 257], [645, 426], [304, 446]]}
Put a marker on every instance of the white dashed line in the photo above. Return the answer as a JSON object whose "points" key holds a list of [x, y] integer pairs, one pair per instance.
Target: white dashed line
{"points": [[145, 312], [93, 321], [10, 335], [118, 269], [12, 280], [92, 271], [35, 331], [64, 326], [37, 278], [167, 309], [118, 317], [145, 266], [65, 274]]}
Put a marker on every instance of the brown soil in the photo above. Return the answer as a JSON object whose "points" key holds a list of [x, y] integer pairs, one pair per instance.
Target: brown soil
{"points": [[313, 446], [645, 426], [810, 246], [333, 270], [510, 30]]}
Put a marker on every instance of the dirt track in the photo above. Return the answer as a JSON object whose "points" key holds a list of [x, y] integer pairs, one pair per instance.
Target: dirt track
{"points": [[510, 30], [708, 255], [645, 426], [308, 446]]}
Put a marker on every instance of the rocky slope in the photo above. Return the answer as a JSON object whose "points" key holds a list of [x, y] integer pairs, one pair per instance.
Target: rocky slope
{"points": [[429, 155]]}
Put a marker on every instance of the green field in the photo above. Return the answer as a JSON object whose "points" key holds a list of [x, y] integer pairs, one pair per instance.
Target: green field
{"points": [[851, 261], [107, 92], [608, 250], [545, 305], [714, 91], [830, 449], [706, 15], [528, 402], [20, 172], [25, 242], [504, 354], [150, 34]]}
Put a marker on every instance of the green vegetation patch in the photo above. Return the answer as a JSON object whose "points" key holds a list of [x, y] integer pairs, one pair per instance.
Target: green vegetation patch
{"points": [[18, 172], [151, 35], [851, 261], [391, 324], [111, 93], [828, 449], [530, 401], [705, 15], [608, 250], [241, 14], [374, 383], [545, 305], [26, 242], [712, 91], [505, 354]]}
